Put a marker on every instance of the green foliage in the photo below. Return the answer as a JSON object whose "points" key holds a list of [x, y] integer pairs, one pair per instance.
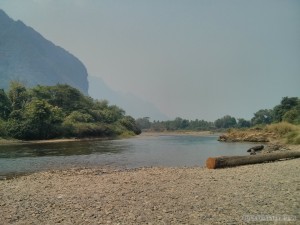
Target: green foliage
{"points": [[143, 123], [3, 132], [263, 116], [45, 112], [129, 123], [292, 116], [81, 130], [286, 105], [288, 110], [67, 98], [242, 123], [174, 125], [226, 122], [112, 114], [5, 105], [18, 95], [79, 117]]}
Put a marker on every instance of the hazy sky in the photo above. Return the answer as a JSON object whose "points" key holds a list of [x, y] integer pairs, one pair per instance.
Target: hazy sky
{"points": [[191, 58]]}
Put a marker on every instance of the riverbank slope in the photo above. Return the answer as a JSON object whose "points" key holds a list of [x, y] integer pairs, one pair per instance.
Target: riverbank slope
{"points": [[153, 195]]}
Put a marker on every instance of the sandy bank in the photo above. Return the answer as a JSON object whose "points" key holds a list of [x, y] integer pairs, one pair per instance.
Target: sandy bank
{"points": [[144, 134], [166, 133], [154, 195], [20, 142]]}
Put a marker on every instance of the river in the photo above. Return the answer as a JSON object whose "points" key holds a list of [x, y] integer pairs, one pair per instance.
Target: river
{"points": [[140, 151]]}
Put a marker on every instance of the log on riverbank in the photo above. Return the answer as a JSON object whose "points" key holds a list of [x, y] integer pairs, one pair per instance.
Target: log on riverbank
{"points": [[231, 161]]}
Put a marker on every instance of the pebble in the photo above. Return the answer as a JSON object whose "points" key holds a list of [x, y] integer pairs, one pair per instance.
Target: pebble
{"points": [[152, 195]]}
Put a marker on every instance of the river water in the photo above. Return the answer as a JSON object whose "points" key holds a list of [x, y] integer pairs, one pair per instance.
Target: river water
{"points": [[141, 151]]}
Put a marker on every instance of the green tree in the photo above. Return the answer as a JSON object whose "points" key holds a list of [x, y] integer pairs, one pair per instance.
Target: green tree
{"points": [[129, 123], [44, 112], [225, 122], [38, 114], [242, 123], [38, 120], [263, 116], [113, 114], [143, 123], [5, 105], [63, 96], [3, 132], [18, 95], [292, 116], [286, 104], [79, 117]]}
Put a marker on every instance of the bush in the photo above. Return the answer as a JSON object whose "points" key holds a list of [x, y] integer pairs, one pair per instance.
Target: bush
{"points": [[286, 130], [3, 132], [46, 112], [281, 129], [81, 130], [294, 137]]}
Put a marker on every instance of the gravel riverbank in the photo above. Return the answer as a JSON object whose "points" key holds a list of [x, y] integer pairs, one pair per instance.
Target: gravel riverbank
{"points": [[269, 191]]}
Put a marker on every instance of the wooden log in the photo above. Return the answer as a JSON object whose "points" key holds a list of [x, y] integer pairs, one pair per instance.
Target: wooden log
{"points": [[256, 148], [231, 161]]}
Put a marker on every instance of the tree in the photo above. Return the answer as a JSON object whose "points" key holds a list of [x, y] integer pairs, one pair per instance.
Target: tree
{"points": [[129, 123], [18, 95], [63, 96], [292, 116], [45, 112], [286, 104], [143, 123], [5, 105], [225, 122], [112, 114], [38, 115], [263, 116], [38, 120], [79, 117], [242, 123]]}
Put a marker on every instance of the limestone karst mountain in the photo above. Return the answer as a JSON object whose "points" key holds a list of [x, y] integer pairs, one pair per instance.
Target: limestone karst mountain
{"points": [[27, 56]]}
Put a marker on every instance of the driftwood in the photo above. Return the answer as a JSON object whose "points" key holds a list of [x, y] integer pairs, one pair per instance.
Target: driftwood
{"points": [[256, 148], [231, 161]]}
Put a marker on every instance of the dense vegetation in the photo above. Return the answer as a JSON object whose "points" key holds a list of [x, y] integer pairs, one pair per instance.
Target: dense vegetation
{"points": [[287, 111], [45, 112]]}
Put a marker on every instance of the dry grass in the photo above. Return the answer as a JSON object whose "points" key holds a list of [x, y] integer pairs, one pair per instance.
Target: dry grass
{"points": [[282, 128], [283, 132], [287, 131]]}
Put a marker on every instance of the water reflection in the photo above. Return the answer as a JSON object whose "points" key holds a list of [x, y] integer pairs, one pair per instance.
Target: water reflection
{"points": [[129, 153], [62, 149]]}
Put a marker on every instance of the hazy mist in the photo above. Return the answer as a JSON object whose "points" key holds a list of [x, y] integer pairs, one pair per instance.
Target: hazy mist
{"points": [[193, 59]]}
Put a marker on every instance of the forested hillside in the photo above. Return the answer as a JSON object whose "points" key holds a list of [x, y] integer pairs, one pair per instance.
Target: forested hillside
{"points": [[45, 112]]}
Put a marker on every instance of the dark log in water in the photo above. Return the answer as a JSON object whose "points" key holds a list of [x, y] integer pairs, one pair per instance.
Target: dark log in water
{"points": [[231, 161], [256, 148]]}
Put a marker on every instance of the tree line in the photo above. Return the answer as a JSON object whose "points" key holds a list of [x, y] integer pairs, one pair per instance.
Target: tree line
{"points": [[45, 112], [288, 110]]}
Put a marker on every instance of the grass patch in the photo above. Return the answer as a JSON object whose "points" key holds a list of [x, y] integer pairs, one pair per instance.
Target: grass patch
{"points": [[282, 128], [293, 137], [287, 131], [4, 141]]}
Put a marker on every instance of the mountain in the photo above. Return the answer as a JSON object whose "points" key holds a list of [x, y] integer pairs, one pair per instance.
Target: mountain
{"points": [[132, 104], [27, 56]]}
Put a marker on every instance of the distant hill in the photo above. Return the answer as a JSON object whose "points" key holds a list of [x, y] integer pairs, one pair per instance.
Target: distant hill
{"points": [[28, 57], [132, 104]]}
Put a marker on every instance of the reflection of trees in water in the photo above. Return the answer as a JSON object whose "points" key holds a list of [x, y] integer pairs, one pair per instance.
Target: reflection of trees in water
{"points": [[63, 149]]}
